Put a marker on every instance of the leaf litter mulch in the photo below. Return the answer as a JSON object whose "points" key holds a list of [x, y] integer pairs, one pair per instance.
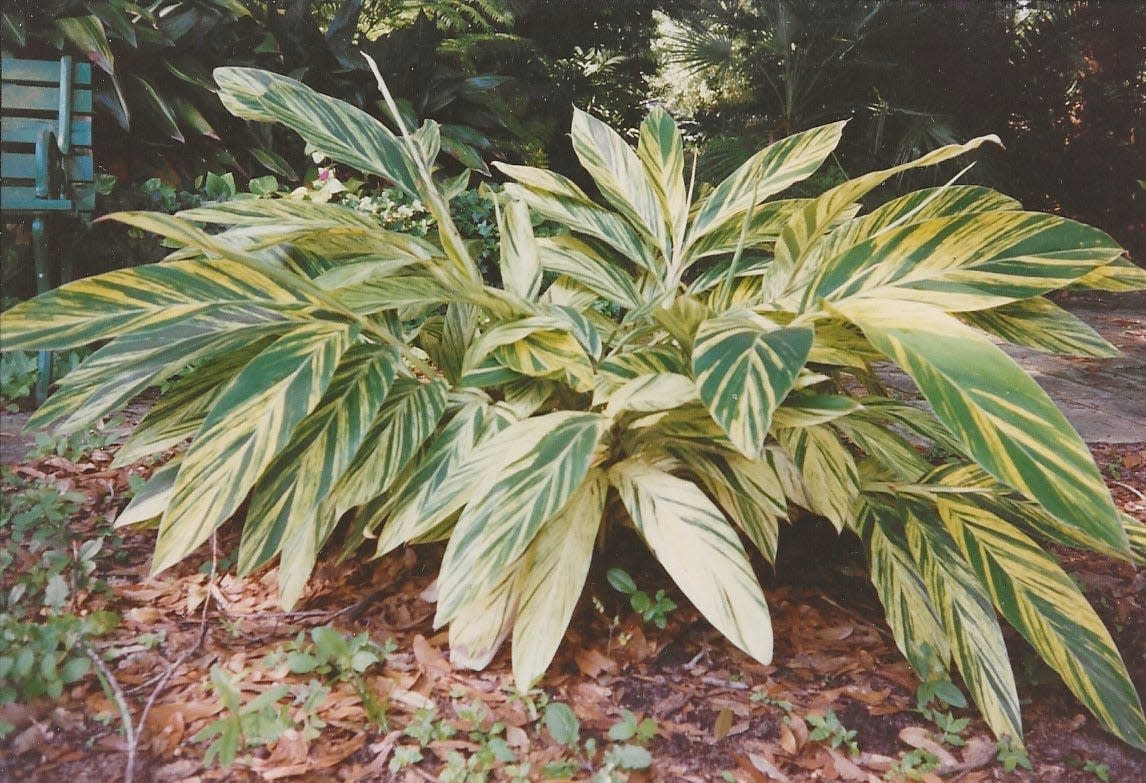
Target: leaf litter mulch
{"points": [[719, 715]]}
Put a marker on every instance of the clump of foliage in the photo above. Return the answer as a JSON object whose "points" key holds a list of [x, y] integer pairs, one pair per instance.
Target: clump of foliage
{"points": [[699, 368]]}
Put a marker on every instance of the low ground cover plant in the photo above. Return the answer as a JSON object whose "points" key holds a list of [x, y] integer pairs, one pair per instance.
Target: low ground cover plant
{"points": [[697, 366]]}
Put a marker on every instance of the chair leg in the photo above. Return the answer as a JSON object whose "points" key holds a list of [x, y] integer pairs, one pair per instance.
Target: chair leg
{"points": [[43, 285]]}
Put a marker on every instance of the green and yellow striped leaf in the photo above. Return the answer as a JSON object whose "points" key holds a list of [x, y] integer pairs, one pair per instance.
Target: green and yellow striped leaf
{"points": [[749, 491], [807, 225], [283, 514], [1119, 275], [150, 502], [445, 477], [965, 262], [615, 371], [653, 392], [499, 524], [484, 621], [127, 300], [916, 207], [764, 227], [995, 410], [178, 414], [557, 565], [404, 422], [912, 617], [769, 171], [557, 198], [892, 450], [570, 256], [519, 258], [969, 620], [831, 479], [252, 420], [683, 528], [801, 409], [1041, 324], [661, 150], [621, 177], [334, 128], [1043, 604], [743, 371], [124, 368]]}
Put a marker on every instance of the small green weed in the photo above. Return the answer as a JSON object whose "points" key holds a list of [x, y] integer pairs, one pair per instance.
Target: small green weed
{"points": [[827, 728], [260, 721], [329, 653], [1012, 755], [629, 728], [913, 765], [655, 609]]}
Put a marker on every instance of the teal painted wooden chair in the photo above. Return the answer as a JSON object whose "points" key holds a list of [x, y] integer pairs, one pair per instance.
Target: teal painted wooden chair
{"points": [[46, 165]]}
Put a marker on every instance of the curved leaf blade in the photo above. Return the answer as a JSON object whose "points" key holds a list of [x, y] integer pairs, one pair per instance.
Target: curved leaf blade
{"points": [[683, 527], [743, 372], [250, 422], [995, 410]]}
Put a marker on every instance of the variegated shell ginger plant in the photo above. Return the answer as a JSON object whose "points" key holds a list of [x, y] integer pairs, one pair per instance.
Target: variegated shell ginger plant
{"points": [[696, 366]]}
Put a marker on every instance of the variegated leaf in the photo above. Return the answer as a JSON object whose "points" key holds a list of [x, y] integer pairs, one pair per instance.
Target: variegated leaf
{"points": [[995, 410], [150, 502], [804, 410], [484, 621], [683, 527], [519, 260], [789, 273], [969, 619], [889, 448], [1041, 324], [404, 422], [443, 480], [915, 207], [250, 422], [558, 563], [179, 413], [499, 524], [557, 198], [615, 371], [580, 261], [124, 368], [743, 371], [334, 128], [1120, 275], [127, 300], [912, 617], [653, 392], [661, 150], [830, 476], [621, 177], [283, 515], [965, 262], [769, 171], [1042, 602], [749, 491], [764, 227]]}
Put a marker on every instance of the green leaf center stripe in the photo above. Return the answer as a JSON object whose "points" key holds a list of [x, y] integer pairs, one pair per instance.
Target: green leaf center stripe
{"points": [[497, 526]]}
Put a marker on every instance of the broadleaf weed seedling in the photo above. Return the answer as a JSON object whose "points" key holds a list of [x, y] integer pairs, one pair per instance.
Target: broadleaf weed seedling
{"points": [[655, 609]]}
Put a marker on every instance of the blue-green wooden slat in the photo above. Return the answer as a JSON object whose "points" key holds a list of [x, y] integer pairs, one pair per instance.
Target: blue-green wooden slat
{"points": [[42, 71], [23, 98], [23, 130], [23, 199], [19, 165]]}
